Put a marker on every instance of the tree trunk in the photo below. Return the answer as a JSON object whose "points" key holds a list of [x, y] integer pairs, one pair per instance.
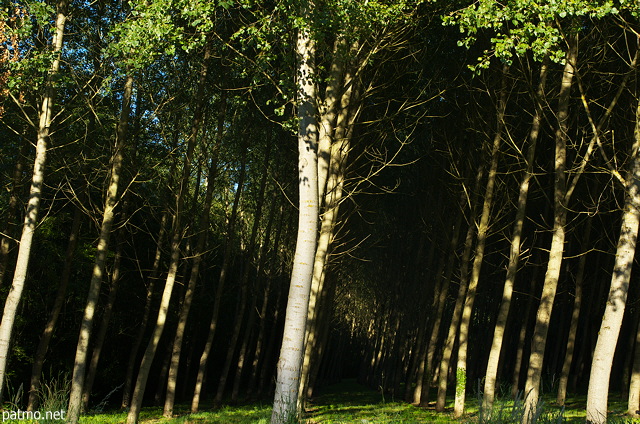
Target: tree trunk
{"points": [[514, 253], [292, 349], [203, 228], [104, 326], [244, 283], [450, 341], [61, 296], [483, 232], [226, 262], [543, 316], [111, 201], [174, 260], [133, 354], [575, 318], [597, 394], [35, 193]]}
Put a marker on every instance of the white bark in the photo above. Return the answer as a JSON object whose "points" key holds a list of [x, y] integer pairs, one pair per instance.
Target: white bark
{"points": [[33, 206], [292, 349], [597, 394]]}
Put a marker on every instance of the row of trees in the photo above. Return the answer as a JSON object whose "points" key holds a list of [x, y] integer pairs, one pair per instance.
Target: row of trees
{"points": [[164, 166]]}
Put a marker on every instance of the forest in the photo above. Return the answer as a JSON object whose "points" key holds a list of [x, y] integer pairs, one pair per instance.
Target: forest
{"points": [[208, 204]]}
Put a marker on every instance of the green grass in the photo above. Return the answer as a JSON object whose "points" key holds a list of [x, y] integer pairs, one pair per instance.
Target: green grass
{"points": [[351, 403]]}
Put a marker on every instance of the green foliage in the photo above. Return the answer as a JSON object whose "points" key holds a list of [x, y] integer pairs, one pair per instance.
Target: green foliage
{"points": [[521, 26]]}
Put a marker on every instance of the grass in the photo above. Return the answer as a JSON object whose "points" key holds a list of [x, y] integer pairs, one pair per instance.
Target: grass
{"points": [[351, 403]]}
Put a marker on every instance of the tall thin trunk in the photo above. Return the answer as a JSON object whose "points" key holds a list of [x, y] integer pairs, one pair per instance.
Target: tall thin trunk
{"points": [[244, 283], [242, 355], [337, 167], [262, 326], [292, 349], [425, 370], [104, 326], [31, 218], [556, 251], [452, 331], [483, 232], [575, 318], [133, 354], [597, 394], [514, 253], [198, 254], [226, 262], [111, 201], [58, 303], [633, 402], [174, 259]]}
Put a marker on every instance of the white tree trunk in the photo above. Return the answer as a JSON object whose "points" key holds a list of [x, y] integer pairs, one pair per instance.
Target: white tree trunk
{"points": [[31, 216], [292, 349], [597, 395]]}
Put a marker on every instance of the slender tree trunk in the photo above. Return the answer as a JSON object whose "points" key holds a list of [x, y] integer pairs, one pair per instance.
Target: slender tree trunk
{"points": [[522, 336], [242, 355], [425, 373], [337, 168], [483, 232], [174, 260], [292, 349], [543, 316], [133, 354], [195, 270], [33, 205], [104, 326], [575, 318], [61, 296], [633, 403], [226, 262], [597, 394], [450, 341], [244, 283], [111, 201], [514, 253]]}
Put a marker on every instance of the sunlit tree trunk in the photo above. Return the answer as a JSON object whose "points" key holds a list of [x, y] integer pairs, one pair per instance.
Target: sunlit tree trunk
{"points": [[425, 371], [133, 354], [556, 251], [575, 317], [111, 201], [203, 227], [104, 326], [292, 349], [483, 231], [31, 217], [174, 258], [226, 263], [514, 253], [452, 331], [597, 394]]}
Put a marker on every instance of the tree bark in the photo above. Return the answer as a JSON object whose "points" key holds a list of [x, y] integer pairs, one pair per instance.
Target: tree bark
{"points": [[292, 349], [449, 343], [203, 228], [575, 318], [556, 251], [514, 253], [483, 232], [111, 201], [174, 260], [31, 218], [597, 394]]}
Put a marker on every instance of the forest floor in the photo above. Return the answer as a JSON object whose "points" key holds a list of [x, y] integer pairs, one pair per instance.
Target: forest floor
{"points": [[351, 403]]}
